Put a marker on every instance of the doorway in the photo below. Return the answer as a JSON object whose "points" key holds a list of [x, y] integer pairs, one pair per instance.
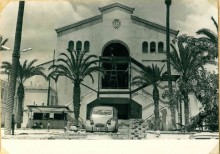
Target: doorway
{"points": [[116, 67]]}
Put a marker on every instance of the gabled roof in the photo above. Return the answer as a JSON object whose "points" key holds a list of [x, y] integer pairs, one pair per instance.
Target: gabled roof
{"points": [[74, 25], [98, 18], [124, 7], [148, 23]]}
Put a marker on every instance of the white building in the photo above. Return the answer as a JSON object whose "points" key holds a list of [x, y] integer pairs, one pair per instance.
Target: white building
{"points": [[117, 31]]}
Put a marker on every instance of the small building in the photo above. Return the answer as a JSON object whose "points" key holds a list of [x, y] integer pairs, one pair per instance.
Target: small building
{"points": [[57, 115], [4, 94]]}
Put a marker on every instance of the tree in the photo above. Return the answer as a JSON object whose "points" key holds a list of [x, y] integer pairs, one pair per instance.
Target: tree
{"points": [[75, 66], [13, 75], [209, 40], [186, 61], [151, 75], [2, 43], [205, 87], [7, 68], [25, 72]]}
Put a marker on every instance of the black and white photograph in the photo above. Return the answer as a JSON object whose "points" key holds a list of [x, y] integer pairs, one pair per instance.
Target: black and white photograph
{"points": [[109, 76]]}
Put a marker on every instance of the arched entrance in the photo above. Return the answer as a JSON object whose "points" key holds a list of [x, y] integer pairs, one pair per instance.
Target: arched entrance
{"points": [[116, 68], [127, 108]]}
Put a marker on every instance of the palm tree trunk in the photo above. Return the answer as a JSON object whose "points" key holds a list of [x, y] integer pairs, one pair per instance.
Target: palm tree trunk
{"points": [[156, 107], [13, 76], [76, 100], [186, 107], [19, 113], [173, 116]]}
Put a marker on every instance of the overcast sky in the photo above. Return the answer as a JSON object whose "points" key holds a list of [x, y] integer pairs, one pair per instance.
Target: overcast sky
{"points": [[41, 19]]}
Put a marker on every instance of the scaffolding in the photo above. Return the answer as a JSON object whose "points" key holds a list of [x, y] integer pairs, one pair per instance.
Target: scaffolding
{"points": [[113, 81]]}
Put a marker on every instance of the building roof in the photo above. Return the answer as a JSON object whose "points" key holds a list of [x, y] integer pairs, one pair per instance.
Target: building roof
{"points": [[45, 63], [145, 23], [79, 23], [130, 10], [124, 7], [48, 109]]}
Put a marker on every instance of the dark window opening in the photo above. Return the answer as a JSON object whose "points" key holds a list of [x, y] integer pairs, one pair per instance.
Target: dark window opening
{"points": [[86, 46], [160, 47], [152, 47], [59, 116], [71, 45], [145, 47], [47, 116], [78, 45], [38, 116]]}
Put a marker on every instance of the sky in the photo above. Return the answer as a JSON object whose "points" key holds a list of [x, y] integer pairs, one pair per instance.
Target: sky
{"points": [[41, 18]]}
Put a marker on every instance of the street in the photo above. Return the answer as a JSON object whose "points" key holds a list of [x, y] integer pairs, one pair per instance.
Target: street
{"points": [[58, 134]]}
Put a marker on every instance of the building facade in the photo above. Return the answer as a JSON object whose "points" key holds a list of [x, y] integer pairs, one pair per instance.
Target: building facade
{"points": [[125, 44]]}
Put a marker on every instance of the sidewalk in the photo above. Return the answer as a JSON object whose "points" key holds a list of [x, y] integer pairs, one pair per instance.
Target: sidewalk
{"points": [[43, 134], [32, 133]]}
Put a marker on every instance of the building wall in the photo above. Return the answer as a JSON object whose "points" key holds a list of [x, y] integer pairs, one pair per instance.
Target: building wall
{"points": [[37, 95], [100, 33], [4, 94]]}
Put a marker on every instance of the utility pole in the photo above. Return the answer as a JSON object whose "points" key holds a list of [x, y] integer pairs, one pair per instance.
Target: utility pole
{"points": [[168, 4], [13, 75]]}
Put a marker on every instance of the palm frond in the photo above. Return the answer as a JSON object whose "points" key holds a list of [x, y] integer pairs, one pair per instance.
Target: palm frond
{"points": [[85, 66], [208, 33], [215, 23], [70, 61], [81, 57], [75, 66], [87, 59], [31, 63], [91, 70], [4, 42], [6, 66], [63, 68], [72, 57], [91, 76]]}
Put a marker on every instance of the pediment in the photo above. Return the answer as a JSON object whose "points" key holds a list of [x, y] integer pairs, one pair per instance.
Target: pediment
{"points": [[116, 6]]}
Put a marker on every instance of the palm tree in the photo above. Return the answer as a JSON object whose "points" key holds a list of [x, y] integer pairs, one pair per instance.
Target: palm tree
{"points": [[2, 43], [210, 39], [13, 74], [151, 75], [75, 66], [186, 61], [7, 68], [25, 72]]}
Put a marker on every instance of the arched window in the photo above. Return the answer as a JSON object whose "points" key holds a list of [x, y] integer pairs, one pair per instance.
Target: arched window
{"points": [[78, 45], [152, 47], [145, 47], [160, 47], [71, 45], [86, 46]]}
